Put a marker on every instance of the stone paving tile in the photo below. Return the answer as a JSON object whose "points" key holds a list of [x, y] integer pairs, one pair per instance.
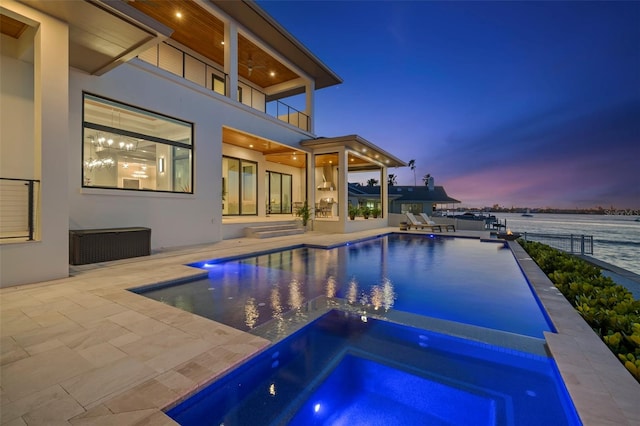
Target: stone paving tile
{"points": [[99, 332], [178, 383], [171, 358], [26, 376], [10, 351], [43, 347], [102, 354], [97, 384], [12, 410], [54, 412], [15, 321], [15, 422], [157, 419], [129, 418]]}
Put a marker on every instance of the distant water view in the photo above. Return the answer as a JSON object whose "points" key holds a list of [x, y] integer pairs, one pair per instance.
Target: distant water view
{"points": [[616, 239]]}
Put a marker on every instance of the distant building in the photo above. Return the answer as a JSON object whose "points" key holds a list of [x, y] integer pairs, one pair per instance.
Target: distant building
{"points": [[415, 199]]}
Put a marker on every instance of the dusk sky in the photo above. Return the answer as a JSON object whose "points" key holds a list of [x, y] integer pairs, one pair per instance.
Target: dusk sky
{"points": [[529, 104]]}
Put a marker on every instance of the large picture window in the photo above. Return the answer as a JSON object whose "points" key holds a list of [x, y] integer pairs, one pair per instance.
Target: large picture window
{"points": [[125, 147], [239, 187]]}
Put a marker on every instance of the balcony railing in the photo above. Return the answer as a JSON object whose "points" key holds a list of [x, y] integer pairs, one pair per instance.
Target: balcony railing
{"points": [[18, 211], [288, 114], [187, 66]]}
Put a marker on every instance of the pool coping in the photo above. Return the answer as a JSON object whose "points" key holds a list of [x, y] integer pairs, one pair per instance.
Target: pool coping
{"points": [[602, 390], [60, 364]]}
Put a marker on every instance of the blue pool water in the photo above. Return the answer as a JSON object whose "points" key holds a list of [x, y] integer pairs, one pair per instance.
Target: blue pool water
{"points": [[341, 370], [454, 279]]}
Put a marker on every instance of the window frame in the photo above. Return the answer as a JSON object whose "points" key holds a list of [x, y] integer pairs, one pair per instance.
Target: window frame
{"points": [[132, 134]]}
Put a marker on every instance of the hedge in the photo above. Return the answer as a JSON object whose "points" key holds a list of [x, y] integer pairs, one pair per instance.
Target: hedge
{"points": [[608, 308]]}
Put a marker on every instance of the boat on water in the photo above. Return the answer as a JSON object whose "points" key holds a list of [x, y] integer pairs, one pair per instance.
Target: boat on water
{"points": [[527, 213]]}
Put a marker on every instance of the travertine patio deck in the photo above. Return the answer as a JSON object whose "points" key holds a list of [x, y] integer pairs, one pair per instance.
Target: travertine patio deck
{"points": [[83, 351]]}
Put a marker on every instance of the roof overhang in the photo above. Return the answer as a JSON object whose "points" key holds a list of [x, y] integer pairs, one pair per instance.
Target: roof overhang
{"points": [[103, 33], [355, 143], [259, 22]]}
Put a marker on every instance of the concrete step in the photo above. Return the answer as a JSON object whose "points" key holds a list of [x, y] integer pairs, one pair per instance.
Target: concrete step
{"points": [[278, 233], [274, 230]]}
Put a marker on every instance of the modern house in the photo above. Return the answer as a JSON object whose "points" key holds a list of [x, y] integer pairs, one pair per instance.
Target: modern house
{"points": [[192, 118], [401, 199]]}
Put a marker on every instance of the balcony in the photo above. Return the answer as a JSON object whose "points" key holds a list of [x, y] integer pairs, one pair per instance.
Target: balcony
{"points": [[207, 74]]}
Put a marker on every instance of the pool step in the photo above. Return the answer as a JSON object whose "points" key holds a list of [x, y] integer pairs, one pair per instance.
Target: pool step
{"points": [[275, 230]]}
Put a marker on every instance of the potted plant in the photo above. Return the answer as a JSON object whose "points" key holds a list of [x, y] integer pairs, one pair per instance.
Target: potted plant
{"points": [[375, 212], [304, 213], [366, 212], [353, 211]]}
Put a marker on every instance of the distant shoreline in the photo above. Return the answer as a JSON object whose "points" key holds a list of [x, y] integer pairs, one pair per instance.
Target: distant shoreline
{"points": [[596, 211]]}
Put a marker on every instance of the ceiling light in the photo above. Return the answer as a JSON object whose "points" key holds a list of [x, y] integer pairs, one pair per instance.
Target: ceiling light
{"points": [[250, 145], [272, 73], [178, 14]]}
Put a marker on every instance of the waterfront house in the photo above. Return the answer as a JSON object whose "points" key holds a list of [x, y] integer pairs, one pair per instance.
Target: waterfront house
{"points": [[194, 119], [401, 199]]}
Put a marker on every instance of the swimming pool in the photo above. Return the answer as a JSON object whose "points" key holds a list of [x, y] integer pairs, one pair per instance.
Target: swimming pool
{"points": [[343, 369], [453, 279]]}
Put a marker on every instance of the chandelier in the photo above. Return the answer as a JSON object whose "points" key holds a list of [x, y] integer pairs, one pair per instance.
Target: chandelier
{"points": [[99, 163], [101, 142]]}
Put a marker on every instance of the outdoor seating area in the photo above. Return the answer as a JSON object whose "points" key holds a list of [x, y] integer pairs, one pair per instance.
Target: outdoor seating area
{"points": [[427, 220], [414, 223], [325, 207]]}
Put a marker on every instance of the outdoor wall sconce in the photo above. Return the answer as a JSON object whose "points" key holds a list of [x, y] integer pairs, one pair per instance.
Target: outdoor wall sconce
{"points": [[161, 165]]}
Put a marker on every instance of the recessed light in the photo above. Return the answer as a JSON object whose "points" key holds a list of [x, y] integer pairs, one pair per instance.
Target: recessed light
{"points": [[272, 73], [250, 145], [178, 14]]}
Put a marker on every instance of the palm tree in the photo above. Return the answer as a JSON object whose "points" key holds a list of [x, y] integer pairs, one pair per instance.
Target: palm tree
{"points": [[412, 166], [425, 178], [372, 182], [391, 180]]}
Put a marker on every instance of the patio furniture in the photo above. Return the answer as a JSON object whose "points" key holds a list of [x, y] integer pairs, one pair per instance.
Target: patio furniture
{"points": [[415, 223], [428, 221]]}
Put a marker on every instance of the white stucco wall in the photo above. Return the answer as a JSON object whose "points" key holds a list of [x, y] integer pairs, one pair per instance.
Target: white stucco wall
{"points": [[46, 258], [55, 139], [175, 219]]}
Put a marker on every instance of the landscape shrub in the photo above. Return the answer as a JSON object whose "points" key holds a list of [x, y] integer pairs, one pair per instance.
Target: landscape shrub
{"points": [[608, 308]]}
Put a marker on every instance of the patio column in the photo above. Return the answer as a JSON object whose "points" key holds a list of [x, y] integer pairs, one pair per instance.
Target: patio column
{"points": [[231, 59], [310, 90]]}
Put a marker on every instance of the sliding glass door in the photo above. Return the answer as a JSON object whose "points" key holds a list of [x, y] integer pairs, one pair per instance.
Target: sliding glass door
{"points": [[279, 192], [239, 187]]}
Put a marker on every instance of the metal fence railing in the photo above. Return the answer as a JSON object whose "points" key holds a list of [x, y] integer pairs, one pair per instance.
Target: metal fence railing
{"points": [[571, 243], [18, 212]]}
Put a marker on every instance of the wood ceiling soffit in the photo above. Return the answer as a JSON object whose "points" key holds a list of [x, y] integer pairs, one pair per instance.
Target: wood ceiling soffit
{"points": [[12, 27], [204, 33], [197, 28]]}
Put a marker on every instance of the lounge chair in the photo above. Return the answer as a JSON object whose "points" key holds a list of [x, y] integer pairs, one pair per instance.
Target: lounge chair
{"points": [[427, 220], [415, 223]]}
